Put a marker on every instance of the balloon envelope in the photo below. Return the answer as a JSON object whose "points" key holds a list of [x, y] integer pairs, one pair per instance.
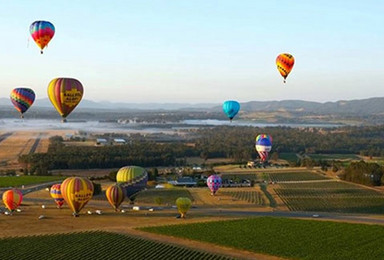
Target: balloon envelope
{"points": [[12, 199], [183, 205], [76, 192], [65, 94], [115, 195], [284, 63], [22, 99], [132, 179], [231, 108], [42, 32], [263, 146], [214, 183], [56, 195]]}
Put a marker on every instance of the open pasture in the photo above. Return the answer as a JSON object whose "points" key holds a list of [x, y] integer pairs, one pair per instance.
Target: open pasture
{"points": [[290, 157], [334, 156], [96, 245], [330, 197], [166, 196], [15, 145], [18, 181], [290, 238]]}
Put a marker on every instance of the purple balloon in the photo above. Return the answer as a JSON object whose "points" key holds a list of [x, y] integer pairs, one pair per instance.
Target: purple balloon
{"points": [[214, 183]]}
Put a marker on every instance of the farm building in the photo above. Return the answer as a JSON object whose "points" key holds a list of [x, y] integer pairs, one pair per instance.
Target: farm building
{"points": [[101, 141], [184, 181]]}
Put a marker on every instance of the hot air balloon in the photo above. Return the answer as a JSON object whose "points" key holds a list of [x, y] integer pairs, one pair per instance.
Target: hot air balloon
{"points": [[183, 205], [76, 192], [12, 199], [115, 196], [42, 32], [22, 99], [263, 146], [56, 195], [132, 179], [231, 108], [214, 183], [285, 62], [65, 94]]}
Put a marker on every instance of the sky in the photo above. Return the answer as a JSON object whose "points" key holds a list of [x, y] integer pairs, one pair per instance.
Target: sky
{"points": [[200, 51]]}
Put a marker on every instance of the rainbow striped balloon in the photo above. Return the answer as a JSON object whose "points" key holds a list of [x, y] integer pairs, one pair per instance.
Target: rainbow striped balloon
{"points": [[115, 196], [22, 99], [12, 199], [132, 179], [65, 94], [56, 195], [285, 62], [42, 33], [76, 192]]}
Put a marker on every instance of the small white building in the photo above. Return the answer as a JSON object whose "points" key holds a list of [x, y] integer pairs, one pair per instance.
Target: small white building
{"points": [[119, 141], [101, 141]]}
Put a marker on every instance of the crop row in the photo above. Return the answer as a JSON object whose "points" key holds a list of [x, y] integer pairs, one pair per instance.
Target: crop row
{"points": [[288, 238], [95, 245], [295, 176], [254, 197], [241, 176], [340, 197]]}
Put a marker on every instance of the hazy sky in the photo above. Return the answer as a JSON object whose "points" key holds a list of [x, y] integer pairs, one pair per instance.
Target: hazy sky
{"points": [[197, 51]]}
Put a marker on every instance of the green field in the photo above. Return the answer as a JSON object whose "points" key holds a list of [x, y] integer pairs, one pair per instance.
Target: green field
{"points": [[295, 176], [290, 157], [290, 238], [17, 181], [95, 245], [168, 196], [334, 156], [254, 197], [331, 197]]}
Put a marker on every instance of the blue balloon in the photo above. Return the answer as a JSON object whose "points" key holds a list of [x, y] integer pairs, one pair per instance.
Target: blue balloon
{"points": [[231, 108]]}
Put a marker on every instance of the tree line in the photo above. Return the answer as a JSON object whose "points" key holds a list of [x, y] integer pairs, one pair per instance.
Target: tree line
{"points": [[237, 143]]}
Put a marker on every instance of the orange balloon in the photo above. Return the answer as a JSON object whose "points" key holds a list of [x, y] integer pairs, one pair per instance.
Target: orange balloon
{"points": [[285, 62], [12, 199]]}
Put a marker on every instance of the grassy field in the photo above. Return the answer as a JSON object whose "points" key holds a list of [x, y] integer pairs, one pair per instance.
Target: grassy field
{"points": [[290, 238], [95, 245], [17, 181], [290, 157], [334, 156], [330, 197], [295, 176], [168, 196]]}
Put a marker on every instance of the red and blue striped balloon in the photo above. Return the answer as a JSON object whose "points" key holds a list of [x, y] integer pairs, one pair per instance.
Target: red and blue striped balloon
{"points": [[22, 99]]}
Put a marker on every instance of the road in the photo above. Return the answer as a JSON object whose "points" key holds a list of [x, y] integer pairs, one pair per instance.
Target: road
{"points": [[368, 219]]}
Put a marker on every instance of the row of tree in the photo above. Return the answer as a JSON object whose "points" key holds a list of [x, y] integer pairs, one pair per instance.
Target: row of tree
{"points": [[236, 143]]}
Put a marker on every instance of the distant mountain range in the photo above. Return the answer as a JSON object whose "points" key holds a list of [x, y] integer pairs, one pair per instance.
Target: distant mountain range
{"points": [[371, 106], [86, 103]]}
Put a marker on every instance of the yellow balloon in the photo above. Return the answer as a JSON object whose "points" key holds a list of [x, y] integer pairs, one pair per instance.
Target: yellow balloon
{"points": [[183, 205], [76, 192]]}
